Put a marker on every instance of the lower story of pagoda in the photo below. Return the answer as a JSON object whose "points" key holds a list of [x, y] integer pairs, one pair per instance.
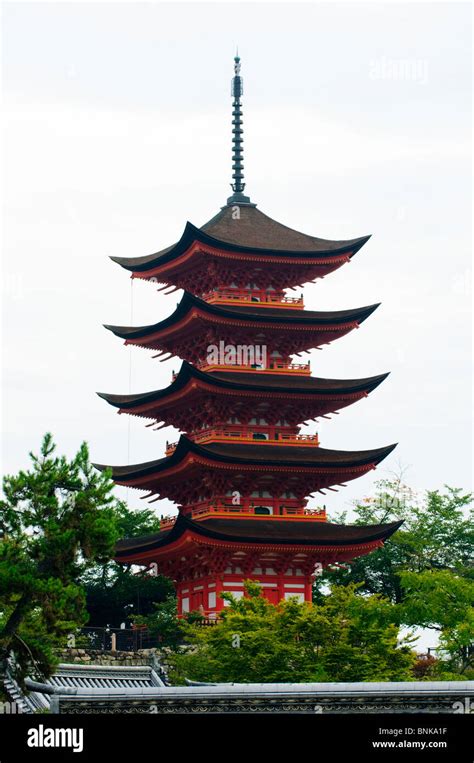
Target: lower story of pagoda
{"points": [[208, 558], [204, 594]]}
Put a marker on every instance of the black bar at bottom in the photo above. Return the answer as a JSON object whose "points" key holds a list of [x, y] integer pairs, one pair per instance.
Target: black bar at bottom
{"points": [[423, 737]]}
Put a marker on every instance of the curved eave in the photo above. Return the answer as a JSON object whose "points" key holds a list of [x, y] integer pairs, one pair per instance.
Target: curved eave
{"points": [[287, 317], [290, 457], [261, 533], [188, 372], [191, 235]]}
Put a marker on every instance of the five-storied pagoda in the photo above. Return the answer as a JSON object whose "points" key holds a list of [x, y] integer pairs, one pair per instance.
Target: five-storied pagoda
{"points": [[241, 471]]}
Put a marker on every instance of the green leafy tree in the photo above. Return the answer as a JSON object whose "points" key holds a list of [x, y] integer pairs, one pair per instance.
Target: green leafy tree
{"points": [[348, 637], [443, 601], [163, 624], [124, 595], [55, 519], [437, 534], [116, 592]]}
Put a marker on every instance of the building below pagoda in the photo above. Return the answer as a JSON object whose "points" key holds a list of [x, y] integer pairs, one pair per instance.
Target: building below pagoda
{"points": [[242, 472]]}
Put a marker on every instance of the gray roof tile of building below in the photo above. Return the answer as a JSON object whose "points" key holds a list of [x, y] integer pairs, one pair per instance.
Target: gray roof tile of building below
{"points": [[105, 676], [289, 689], [64, 698], [71, 679]]}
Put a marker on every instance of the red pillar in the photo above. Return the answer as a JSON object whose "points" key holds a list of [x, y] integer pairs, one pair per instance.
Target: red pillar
{"points": [[218, 589], [281, 588]]}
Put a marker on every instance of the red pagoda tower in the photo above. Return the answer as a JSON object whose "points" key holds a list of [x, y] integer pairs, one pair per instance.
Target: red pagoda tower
{"points": [[241, 472]]}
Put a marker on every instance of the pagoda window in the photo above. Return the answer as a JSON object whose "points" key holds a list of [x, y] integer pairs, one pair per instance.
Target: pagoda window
{"points": [[263, 510], [255, 299], [185, 604], [259, 436], [297, 595], [211, 600]]}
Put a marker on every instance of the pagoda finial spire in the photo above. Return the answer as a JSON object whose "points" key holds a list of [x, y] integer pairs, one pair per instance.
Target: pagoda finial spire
{"points": [[238, 186]]}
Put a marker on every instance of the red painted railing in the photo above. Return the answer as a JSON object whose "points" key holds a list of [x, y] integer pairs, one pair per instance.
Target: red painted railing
{"points": [[246, 296], [166, 523], [222, 435], [273, 367]]}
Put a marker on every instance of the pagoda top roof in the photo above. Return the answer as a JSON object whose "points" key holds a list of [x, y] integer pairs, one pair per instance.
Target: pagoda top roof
{"points": [[252, 381], [249, 232], [257, 230], [250, 454], [261, 532], [249, 312]]}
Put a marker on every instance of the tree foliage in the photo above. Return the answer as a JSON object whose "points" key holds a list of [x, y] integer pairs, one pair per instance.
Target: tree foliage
{"points": [[437, 534], [348, 637], [117, 593], [443, 601], [55, 520], [163, 624]]}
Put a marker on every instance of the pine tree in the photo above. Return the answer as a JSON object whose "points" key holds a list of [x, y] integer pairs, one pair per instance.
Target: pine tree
{"points": [[55, 520]]}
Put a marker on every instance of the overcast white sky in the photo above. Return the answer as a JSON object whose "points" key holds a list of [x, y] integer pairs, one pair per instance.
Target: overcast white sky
{"points": [[117, 131]]}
